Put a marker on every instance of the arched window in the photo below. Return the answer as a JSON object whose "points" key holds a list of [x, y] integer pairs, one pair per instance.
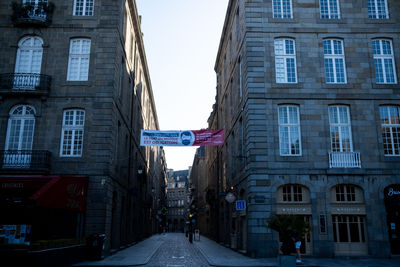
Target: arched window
{"points": [[347, 193], [385, 67], [290, 193], [335, 66], [29, 55], [20, 128]]}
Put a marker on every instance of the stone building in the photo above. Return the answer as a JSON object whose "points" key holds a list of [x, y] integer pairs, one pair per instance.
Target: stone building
{"points": [[198, 204], [75, 91], [177, 198], [308, 94]]}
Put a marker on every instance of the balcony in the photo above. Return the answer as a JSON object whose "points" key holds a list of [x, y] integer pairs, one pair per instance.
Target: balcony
{"points": [[32, 15], [344, 160], [28, 160], [24, 83]]}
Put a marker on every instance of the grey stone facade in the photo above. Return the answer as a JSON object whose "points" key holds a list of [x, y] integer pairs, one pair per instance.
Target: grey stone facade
{"points": [[177, 200], [127, 182], [251, 164]]}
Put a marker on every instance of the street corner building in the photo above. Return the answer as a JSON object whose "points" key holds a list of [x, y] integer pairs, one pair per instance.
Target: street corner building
{"points": [[308, 94], [75, 92]]}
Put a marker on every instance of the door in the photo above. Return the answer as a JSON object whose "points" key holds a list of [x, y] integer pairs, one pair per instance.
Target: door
{"points": [[28, 63], [19, 138]]}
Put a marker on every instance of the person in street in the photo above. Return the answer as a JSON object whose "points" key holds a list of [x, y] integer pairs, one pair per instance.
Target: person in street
{"points": [[297, 244]]}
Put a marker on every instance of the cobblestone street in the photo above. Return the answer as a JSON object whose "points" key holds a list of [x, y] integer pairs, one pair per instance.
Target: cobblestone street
{"points": [[177, 251]]}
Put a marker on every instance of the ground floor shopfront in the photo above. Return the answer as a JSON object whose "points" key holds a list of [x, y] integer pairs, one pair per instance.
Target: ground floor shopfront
{"points": [[348, 215], [40, 208]]}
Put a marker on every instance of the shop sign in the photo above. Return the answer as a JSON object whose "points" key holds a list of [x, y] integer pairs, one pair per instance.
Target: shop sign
{"points": [[348, 210], [293, 209], [392, 192]]}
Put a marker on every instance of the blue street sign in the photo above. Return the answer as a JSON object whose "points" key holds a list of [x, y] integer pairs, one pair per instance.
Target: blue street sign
{"points": [[240, 205]]}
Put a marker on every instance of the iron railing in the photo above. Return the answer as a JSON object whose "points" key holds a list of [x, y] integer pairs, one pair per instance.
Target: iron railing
{"points": [[344, 160], [17, 82], [28, 14], [35, 160]]}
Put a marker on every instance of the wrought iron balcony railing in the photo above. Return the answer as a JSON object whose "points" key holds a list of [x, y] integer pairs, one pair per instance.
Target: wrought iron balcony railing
{"points": [[32, 160], [344, 160], [25, 82], [28, 14]]}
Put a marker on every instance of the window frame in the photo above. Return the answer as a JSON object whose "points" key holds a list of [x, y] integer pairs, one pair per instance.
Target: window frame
{"points": [[382, 57], [77, 131], [80, 56], [285, 55], [289, 125], [334, 57], [330, 14], [23, 118], [340, 126], [86, 4], [390, 125], [278, 11], [374, 14]]}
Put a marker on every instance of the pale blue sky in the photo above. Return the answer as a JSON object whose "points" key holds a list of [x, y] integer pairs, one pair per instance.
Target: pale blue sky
{"points": [[181, 39]]}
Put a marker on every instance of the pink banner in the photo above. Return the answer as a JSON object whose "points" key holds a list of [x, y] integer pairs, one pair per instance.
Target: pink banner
{"points": [[208, 137]]}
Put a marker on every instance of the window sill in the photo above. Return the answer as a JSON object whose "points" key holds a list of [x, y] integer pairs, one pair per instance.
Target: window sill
{"points": [[287, 85], [337, 86], [77, 83], [385, 86]]}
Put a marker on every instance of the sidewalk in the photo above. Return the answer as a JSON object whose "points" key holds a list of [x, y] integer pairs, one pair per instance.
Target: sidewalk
{"points": [[217, 255], [138, 254]]}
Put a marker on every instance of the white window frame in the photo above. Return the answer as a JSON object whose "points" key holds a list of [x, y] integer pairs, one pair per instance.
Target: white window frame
{"points": [[283, 56], [373, 12], [32, 45], [23, 114], [79, 52], [341, 125], [380, 59], [287, 127], [331, 13], [87, 8], [76, 127], [393, 130], [334, 56], [278, 11]]}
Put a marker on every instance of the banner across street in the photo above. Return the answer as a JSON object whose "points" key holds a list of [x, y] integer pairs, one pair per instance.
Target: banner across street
{"points": [[182, 138]]}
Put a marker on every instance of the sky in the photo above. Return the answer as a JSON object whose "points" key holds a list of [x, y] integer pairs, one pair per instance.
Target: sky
{"points": [[181, 39]]}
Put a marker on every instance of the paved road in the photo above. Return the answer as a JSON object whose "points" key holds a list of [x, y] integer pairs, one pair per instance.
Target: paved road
{"points": [[176, 251]]}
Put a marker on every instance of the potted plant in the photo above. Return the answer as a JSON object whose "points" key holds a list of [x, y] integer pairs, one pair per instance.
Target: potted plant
{"points": [[287, 226]]}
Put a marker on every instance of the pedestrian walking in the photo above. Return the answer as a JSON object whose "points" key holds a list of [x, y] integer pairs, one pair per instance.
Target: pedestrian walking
{"points": [[297, 243]]}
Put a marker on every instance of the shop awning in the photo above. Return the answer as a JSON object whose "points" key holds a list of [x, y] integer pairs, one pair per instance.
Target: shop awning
{"points": [[60, 192]]}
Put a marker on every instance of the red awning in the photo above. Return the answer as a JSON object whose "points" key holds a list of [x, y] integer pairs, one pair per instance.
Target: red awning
{"points": [[60, 192]]}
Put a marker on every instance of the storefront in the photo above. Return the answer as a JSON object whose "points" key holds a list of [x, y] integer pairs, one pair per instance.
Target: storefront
{"points": [[294, 199], [41, 208], [348, 220], [392, 204]]}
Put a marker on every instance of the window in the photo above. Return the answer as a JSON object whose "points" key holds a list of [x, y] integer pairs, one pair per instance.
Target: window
{"points": [[390, 121], [340, 129], [19, 138], [72, 133], [20, 128], [29, 55], [285, 61], [78, 64], [335, 67], [348, 228], [292, 193], [329, 9], [385, 71], [289, 131], [345, 193], [378, 9], [83, 7], [282, 9]]}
